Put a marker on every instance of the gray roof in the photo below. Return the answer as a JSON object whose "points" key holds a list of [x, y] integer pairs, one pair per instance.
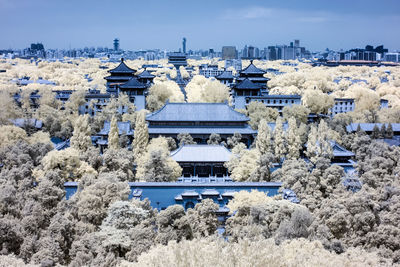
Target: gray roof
{"points": [[122, 68], [247, 84], [200, 130], [218, 112], [339, 151], [391, 142], [117, 78], [201, 153], [196, 184], [251, 69], [124, 127], [133, 83], [38, 124], [146, 75], [277, 97], [210, 192], [226, 75], [368, 127], [190, 193]]}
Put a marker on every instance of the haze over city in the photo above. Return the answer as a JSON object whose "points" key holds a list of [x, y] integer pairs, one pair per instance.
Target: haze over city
{"points": [[199, 133], [206, 24]]}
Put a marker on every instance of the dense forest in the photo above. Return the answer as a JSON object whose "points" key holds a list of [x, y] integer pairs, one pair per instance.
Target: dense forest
{"points": [[100, 226]]}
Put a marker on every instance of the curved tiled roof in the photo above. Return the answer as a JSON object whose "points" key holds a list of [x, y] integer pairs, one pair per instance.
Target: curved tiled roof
{"points": [[226, 75], [197, 112], [146, 75], [201, 153], [122, 68], [133, 83], [251, 69], [247, 84]]}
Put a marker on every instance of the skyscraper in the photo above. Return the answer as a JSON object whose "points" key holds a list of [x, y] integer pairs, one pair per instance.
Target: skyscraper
{"points": [[116, 44], [229, 52], [184, 45]]}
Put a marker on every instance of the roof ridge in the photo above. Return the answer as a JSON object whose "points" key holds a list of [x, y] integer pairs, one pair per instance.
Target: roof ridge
{"points": [[176, 150]]}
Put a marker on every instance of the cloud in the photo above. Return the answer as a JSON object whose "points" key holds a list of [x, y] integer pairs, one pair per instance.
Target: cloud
{"points": [[279, 14], [247, 13]]}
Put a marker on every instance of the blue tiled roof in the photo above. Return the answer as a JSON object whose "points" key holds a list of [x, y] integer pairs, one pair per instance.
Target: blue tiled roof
{"points": [[38, 124], [201, 153], [368, 127], [117, 78], [226, 75], [251, 69], [277, 97], [218, 112], [200, 130], [133, 83], [146, 75], [124, 127], [122, 68], [339, 151], [194, 184], [247, 84]]}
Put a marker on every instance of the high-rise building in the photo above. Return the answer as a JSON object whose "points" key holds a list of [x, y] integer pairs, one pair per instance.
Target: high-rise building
{"points": [[229, 52], [184, 45], [116, 44]]}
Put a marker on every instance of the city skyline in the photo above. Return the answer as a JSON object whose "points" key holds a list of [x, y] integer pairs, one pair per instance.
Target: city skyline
{"points": [[159, 25]]}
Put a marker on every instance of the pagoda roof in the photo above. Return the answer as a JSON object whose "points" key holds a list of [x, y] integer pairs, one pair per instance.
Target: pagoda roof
{"points": [[339, 151], [226, 75], [247, 84], [122, 68], [201, 153], [252, 69], [146, 75], [213, 112], [254, 79], [117, 78], [133, 83]]}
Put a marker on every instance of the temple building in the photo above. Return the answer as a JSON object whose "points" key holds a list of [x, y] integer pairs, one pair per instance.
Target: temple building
{"points": [[118, 76], [146, 77], [247, 91], [251, 85], [226, 78], [202, 160], [95, 102], [165, 194], [342, 157], [136, 92], [254, 74], [124, 129], [368, 128], [199, 120]]}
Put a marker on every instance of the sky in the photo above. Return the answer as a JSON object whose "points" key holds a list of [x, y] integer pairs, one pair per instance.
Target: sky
{"points": [[151, 24]]}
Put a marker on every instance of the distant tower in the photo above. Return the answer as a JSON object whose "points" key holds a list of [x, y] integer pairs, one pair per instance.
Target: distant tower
{"points": [[184, 45], [116, 44]]}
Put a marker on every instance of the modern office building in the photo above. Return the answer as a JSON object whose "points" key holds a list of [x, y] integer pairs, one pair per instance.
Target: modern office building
{"points": [[177, 59], [229, 52]]}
